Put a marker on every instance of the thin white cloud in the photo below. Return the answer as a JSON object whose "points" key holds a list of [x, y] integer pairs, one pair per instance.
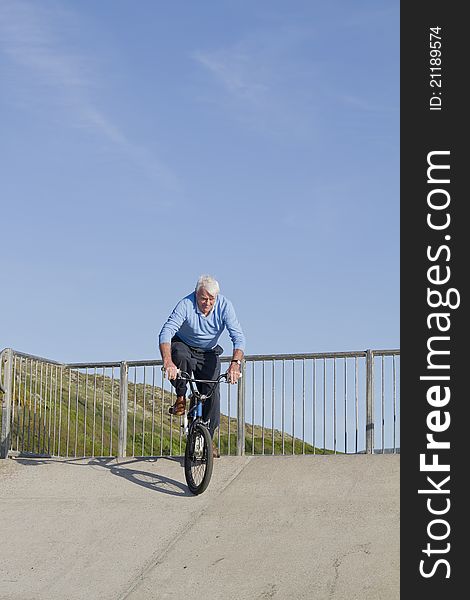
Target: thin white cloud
{"points": [[267, 80], [30, 38], [260, 81], [234, 71]]}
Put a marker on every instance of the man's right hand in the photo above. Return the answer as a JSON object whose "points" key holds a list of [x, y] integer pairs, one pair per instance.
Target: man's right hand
{"points": [[171, 370]]}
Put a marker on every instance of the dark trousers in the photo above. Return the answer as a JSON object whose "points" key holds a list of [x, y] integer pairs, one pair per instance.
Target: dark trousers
{"points": [[202, 364]]}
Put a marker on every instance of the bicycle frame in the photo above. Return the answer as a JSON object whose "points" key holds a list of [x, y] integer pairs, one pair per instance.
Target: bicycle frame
{"points": [[195, 412]]}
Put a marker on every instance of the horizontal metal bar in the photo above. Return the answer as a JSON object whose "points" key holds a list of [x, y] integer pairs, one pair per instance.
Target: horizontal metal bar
{"points": [[310, 355], [151, 362], [38, 358], [252, 358], [131, 363], [93, 365], [248, 357], [349, 354]]}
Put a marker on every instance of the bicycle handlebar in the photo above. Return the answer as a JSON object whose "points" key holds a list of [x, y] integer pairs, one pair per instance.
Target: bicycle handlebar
{"points": [[187, 377]]}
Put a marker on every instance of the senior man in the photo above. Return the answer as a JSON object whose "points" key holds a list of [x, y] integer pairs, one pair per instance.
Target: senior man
{"points": [[188, 341]]}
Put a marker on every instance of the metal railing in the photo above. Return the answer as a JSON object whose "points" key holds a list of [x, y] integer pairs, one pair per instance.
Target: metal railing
{"points": [[337, 402]]}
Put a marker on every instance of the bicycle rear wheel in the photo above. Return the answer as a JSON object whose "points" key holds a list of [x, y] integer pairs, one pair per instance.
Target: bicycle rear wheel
{"points": [[198, 459]]}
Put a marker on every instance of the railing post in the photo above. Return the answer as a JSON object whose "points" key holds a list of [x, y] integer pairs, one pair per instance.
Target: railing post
{"points": [[369, 402], [123, 394], [5, 438], [241, 413]]}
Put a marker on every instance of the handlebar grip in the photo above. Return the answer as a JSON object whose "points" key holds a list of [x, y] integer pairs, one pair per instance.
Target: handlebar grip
{"points": [[226, 375]]}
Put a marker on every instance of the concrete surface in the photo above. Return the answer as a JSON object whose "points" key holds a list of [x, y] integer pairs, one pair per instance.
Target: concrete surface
{"points": [[316, 527]]}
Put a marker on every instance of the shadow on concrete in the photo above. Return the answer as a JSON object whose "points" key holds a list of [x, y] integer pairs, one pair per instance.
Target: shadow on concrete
{"points": [[147, 479]]}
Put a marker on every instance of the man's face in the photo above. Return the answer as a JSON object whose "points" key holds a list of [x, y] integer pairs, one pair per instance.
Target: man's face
{"points": [[205, 301]]}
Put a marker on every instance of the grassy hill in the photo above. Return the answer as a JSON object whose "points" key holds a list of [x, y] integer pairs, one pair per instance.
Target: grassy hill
{"points": [[70, 413]]}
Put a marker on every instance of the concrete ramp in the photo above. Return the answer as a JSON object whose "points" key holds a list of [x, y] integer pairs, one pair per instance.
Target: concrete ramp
{"points": [[302, 527]]}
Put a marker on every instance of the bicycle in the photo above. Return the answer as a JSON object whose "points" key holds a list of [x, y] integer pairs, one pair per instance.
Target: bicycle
{"points": [[198, 458]]}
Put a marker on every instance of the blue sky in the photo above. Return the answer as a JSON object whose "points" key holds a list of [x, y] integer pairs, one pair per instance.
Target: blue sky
{"points": [[144, 143]]}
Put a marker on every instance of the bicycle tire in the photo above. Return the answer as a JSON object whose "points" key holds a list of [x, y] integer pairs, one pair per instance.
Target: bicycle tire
{"points": [[198, 459]]}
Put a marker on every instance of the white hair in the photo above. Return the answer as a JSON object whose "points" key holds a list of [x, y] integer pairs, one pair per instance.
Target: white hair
{"points": [[208, 283]]}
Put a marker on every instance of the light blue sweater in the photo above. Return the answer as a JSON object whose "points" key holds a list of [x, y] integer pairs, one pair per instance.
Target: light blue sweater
{"points": [[199, 331]]}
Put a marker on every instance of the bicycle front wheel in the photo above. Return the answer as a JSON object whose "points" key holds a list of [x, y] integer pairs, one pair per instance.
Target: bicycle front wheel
{"points": [[198, 459]]}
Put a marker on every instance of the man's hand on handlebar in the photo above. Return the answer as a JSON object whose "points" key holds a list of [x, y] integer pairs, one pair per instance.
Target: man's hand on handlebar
{"points": [[233, 373], [171, 370]]}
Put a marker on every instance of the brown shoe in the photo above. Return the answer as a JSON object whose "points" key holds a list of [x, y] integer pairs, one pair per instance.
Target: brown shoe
{"points": [[179, 407], [215, 451]]}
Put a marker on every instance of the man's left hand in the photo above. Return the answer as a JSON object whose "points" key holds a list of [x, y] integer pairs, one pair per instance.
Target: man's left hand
{"points": [[233, 373]]}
